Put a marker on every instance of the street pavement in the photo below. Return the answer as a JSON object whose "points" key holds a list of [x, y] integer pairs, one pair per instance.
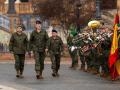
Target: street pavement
{"points": [[69, 79]]}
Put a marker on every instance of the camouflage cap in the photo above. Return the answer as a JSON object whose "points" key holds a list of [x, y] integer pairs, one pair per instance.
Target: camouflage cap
{"points": [[21, 25]]}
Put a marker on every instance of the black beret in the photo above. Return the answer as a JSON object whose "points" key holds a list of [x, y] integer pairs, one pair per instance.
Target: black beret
{"points": [[38, 22], [54, 30]]}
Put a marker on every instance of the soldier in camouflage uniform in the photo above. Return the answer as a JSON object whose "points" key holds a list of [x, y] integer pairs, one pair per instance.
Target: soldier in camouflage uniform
{"points": [[19, 45], [73, 50], [38, 41], [70, 44], [87, 52], [55, 47], [106, 46]]}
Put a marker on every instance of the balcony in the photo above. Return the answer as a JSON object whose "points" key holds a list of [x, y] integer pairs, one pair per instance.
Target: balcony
{"points": [[21, 8], [24, 8]]}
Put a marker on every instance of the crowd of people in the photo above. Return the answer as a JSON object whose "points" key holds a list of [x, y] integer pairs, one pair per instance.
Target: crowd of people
{"points": [[93, 49]]}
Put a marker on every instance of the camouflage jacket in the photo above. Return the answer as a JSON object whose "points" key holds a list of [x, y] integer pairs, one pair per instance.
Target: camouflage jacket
{"points": [[18, 43], [55, 45], [38, 41]]}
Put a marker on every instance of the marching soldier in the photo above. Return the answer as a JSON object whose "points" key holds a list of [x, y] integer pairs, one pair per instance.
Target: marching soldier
{"points": [[55, 47], [106, 46], [74, 51], [70, 44], [19, 45], [87, 52], [38, 41]]}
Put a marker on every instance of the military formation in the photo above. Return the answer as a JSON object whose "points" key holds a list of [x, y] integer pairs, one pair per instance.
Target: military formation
{"points": [[92, 48], [39, 43]]}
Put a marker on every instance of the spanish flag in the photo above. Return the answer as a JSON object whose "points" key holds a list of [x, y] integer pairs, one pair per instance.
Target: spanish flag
{"points": [[113, 58]]}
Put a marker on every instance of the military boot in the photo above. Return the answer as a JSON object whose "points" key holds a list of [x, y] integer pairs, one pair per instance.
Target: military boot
{"points": [[54, 74], [37, 75], [18, 73]]}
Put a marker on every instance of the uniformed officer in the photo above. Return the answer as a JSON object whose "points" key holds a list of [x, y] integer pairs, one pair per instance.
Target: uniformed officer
{"points": [[55, 47], [70, 44], [74, 51], [19, 45], [38, 41], [106, 46]]}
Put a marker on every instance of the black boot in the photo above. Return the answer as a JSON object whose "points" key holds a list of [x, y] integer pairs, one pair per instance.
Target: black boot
{"points": [[54, 73], [18, 73]]}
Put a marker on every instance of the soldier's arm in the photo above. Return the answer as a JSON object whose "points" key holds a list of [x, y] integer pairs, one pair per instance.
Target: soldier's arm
{"points": [[31, 41], [47, 40], [61, 45], [27, 44], [11, 43], [46, 36], [48, 43]]}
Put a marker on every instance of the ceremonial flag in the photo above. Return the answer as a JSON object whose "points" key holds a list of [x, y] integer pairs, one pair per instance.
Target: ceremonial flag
{"points": [[113, 58]]}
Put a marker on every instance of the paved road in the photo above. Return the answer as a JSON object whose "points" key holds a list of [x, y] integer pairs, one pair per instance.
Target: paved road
{"points": [[68, 80]]}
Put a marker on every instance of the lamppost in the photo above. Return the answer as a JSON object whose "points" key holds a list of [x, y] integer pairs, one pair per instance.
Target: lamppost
{"points": [[78, 6], [98, 10]]}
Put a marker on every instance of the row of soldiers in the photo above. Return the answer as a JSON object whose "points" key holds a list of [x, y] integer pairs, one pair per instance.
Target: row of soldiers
{"points": [[39, 44], [93, 48]]}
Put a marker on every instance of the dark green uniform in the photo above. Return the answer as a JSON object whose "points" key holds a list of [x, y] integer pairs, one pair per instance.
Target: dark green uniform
{"points": [[87, 53], [38, 41], [73, 53], [18, 45], [106, 46], [81, 54], [55, 47]]}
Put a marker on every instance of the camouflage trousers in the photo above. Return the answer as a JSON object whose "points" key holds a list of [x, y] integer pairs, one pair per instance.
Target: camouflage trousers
{"points": [[82, 60], [19, 61], [55, 59], [39, 61], [74, 57]]}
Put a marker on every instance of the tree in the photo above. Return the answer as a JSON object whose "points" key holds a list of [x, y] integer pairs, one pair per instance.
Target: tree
{"points": [[65, 11]]}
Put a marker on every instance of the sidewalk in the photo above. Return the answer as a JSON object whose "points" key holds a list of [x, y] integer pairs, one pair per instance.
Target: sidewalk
{"points": [[6, 88]]}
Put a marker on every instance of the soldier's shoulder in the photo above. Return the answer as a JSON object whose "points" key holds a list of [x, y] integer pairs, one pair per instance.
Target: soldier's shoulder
{"points": [[13, 34], [33, 31], [24, 34], [44, 31], [58, 37]]}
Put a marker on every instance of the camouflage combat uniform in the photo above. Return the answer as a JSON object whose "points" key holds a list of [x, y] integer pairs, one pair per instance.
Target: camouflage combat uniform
{"points": [[19, 45], [55, 47], [38, 41]]}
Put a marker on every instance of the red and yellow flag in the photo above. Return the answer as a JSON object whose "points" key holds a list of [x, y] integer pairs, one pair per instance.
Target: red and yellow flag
{"points": [[113, 58]]}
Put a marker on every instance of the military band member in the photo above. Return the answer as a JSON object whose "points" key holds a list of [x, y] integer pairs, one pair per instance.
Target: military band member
{"points": [[55, 47], [73, 50], [19, 45], [38, 41]]}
